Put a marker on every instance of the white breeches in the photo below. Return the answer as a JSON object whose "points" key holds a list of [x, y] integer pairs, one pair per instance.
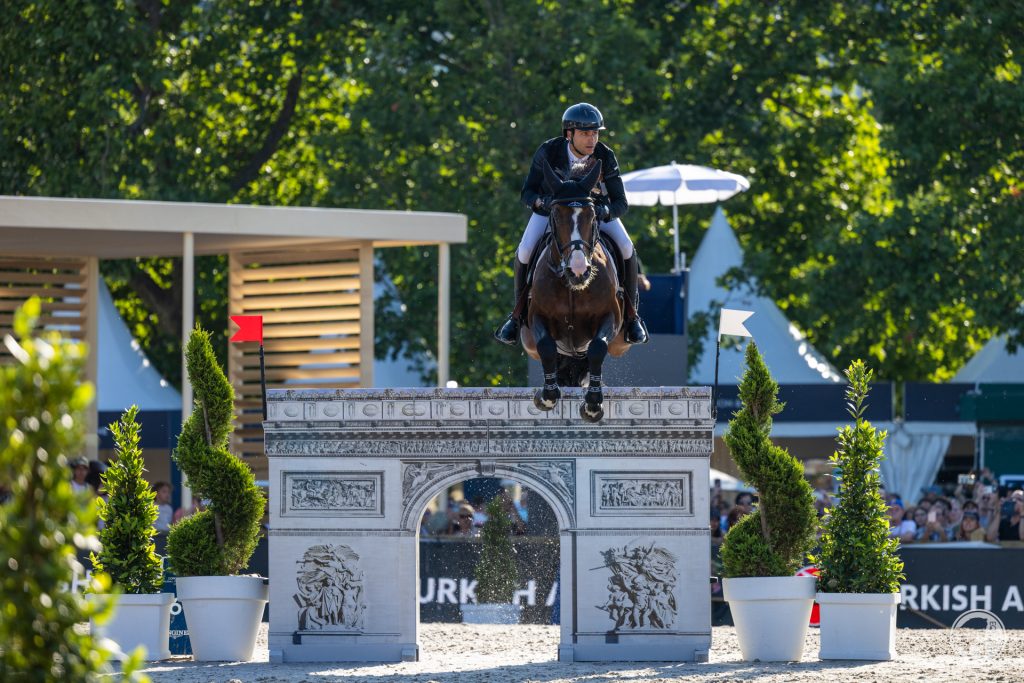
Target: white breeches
{"points": [[538, 224]]}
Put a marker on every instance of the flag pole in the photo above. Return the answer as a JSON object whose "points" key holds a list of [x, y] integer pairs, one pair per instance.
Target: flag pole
{"points": [[263, 382], [714, 392]]}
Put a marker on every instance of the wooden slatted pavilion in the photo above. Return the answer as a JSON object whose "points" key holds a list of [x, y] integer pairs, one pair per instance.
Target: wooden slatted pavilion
{"points": [[307, 271]]}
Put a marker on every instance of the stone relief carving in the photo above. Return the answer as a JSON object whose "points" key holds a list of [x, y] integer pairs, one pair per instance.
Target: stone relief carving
{"points": [[330, 593], [332, 494], [642, 493], [641, 588], [540, 446], [474, 448], [311, 493], [416, 474], [561, 474]]}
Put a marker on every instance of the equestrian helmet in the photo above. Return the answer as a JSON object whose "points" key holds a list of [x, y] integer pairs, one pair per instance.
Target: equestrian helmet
{"points": [[582, 116]]}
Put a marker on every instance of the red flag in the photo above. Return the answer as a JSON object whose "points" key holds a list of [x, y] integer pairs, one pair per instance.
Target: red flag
{"points": [[250, 328]]}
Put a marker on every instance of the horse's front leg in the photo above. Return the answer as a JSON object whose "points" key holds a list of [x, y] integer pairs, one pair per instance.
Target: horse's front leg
{"points": [[592, 409], [547, 349]]}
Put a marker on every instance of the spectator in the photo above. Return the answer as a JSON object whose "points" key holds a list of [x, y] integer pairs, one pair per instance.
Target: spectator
{"points": [[182, 513], [79, 475], [903, 529], [734, 516], [95, 476], [520, 503], [425, 523], [988, 505], [479, 513], [165, 513], [970, 528], [508, 506], [934, 528], [462, 522], [716, 528], [1011, 517]]}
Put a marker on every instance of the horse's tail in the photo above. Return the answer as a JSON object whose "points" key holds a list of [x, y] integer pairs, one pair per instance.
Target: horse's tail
{"points": [[573, 371]]}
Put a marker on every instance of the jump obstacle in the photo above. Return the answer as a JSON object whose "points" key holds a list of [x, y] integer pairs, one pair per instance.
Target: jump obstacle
{"points": [[352, 471]]}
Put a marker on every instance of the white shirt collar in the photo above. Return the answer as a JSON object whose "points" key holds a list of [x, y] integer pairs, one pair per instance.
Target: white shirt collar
{"points": [[573, 159]]}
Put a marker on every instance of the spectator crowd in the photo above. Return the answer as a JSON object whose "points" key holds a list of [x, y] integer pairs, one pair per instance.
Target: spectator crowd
{"points": [[977, 509]]}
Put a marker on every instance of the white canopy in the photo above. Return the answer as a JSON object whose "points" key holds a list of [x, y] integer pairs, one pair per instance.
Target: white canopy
{"points": [[993, 364], [791, 359], [125, 375]]}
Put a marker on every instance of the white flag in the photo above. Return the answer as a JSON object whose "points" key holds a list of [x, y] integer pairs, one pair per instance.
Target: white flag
{"points": [[731, 322]]}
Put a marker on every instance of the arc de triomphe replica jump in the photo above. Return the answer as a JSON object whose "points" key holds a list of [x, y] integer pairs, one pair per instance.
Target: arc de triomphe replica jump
{"points": [[352, 471]]}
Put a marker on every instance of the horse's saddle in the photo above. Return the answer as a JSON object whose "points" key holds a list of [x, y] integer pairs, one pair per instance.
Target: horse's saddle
{"points": [[610, 249]]}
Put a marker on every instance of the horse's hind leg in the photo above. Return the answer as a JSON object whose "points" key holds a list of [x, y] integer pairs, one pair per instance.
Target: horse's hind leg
{"points": [[547, 349], [592, 409]]}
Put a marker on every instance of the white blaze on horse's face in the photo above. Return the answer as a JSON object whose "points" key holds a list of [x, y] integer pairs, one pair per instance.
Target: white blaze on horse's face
{"points": [[577, 259]]}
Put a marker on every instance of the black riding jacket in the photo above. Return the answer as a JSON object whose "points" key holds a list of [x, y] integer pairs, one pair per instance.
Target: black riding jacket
{"points": [[556, 152]]}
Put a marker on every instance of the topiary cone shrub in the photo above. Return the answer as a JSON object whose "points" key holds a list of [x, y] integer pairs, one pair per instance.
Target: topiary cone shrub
{"points": [[773, 539], [496, 573], [129, 553], [219, 540], [857, 554]]}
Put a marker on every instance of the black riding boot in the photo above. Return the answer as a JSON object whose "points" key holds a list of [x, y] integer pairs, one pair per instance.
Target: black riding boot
{"points": [[636, 331], [508, 333]]}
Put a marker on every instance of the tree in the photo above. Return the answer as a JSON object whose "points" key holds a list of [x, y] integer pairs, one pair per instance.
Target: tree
{"points": [[773, 539], [496, 573], [883, 142], [220, 539], [44, 524], [129, 553], [857, 553]]}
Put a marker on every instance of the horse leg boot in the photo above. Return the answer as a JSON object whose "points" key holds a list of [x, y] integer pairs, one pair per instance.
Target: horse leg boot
{"points": [[546, 398], [636, 330], [508, 333], [592, 408]]}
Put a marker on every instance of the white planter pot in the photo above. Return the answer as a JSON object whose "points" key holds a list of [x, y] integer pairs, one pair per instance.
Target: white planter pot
{"points": [[858, 625], [491, 614], [140, 620], [223, 614], [771, 615]]}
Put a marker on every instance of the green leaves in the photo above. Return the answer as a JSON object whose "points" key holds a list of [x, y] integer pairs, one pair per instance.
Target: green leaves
{"points": [[857, 554], [772, 540], [220, 539], [496, 573], [129, 553], [884, 142], [44, 524]]}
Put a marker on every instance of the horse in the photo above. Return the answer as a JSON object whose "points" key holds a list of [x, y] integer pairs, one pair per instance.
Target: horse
{"points": [[575, 314]]}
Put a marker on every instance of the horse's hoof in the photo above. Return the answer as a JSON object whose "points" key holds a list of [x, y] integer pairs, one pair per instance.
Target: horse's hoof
{"points": [[543, 403], [591, 413]]}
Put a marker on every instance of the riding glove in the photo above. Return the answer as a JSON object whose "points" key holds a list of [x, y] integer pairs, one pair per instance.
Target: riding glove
{"points": [[603, 212]]}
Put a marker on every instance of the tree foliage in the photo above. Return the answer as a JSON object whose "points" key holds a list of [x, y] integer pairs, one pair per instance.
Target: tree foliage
{"points": [[497, 575], [773, 539], [883, 141], [857, 553], [129, 553], [44, 524], [220, 539]]}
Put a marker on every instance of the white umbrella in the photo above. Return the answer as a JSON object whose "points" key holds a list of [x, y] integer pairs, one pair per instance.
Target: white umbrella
{"points": [[677, 184]]}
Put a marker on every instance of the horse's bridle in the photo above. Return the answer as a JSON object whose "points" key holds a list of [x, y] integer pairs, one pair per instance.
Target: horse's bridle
{"points": [[562, 252]]}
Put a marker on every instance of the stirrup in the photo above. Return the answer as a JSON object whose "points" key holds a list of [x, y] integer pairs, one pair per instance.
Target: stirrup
{"points": [[636, 332], [508, 333]]}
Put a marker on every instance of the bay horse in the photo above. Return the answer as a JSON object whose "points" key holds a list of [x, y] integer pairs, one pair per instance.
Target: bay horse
{"points": [[575, 315]]}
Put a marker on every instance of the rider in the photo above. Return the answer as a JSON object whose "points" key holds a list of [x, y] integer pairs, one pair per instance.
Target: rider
{"points": [[581, 126]]}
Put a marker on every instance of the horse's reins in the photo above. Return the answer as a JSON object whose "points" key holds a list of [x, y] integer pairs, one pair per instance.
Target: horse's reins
{"points": [[561, 253]]}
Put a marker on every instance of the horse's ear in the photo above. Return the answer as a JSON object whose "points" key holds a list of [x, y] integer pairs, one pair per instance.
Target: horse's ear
{"points": [[588, 181], [553, 181]]}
